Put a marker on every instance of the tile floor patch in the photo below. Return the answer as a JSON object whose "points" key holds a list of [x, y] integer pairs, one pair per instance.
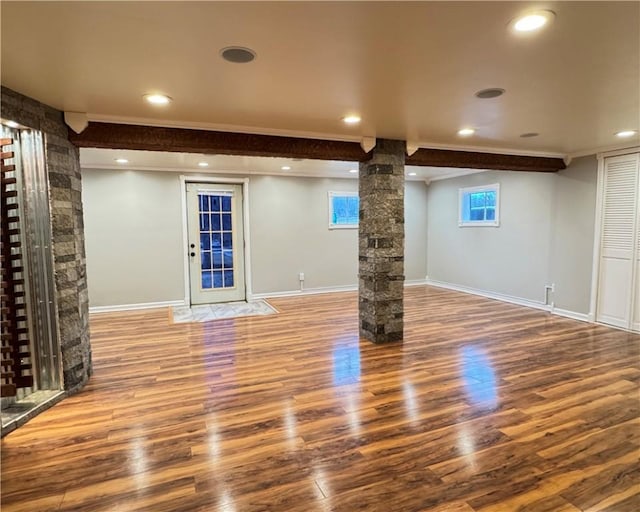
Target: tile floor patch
{"points": [[208, 312], [22, 410]]}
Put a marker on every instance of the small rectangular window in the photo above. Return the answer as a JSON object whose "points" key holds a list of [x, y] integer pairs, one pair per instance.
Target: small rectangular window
{"points": [[479, 206], [343, 210]]}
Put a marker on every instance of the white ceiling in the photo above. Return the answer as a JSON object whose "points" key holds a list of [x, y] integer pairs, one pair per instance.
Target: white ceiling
{"points": [[410, 69], [187, 163]]}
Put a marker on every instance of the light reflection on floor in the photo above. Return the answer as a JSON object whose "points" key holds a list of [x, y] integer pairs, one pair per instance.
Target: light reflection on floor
{"points": [[479, 378], [346, 372], [410, 400], [346, 365]]}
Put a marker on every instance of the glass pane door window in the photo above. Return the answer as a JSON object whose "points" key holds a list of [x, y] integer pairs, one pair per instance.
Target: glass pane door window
{"points": [[216, 240]]}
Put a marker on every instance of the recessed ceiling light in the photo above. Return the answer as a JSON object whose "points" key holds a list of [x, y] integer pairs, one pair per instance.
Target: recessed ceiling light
{"points": [[528, 135], [626, 133], [533, 21], [466, 132], [353, 170], [157, 99], [237, 54], [285, 168], [413, 174], [492, 92], [203, 164], [353, 119], [11, 124], [122, 160]]}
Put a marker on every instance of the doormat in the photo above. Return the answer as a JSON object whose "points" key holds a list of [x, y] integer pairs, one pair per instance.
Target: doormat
{"points": [[209, 312]]}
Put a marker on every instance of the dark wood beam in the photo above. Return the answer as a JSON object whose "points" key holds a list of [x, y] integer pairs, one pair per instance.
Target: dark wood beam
{"points": [[181, 140], [475, 160]]}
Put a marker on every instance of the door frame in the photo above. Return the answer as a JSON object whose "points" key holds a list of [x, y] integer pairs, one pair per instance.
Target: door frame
{"points": [[184, 179], [597, 234]]}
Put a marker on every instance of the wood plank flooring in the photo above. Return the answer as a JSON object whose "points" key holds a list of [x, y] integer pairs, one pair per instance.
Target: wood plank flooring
{"points": [[485, 407]]}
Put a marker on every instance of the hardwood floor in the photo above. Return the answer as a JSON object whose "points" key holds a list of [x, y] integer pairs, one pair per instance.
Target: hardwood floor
{"points": [[485, 407]]}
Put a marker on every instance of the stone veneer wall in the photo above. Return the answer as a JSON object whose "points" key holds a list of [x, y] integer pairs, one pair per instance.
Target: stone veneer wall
{"points": [[381, 243], [65, 202]]}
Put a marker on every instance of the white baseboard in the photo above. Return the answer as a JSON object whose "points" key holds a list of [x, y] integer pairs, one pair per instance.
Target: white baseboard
{"points": [[329, 289], [254, 296], [309, 291], [133, 307], [490, 295], [583, 317], [416, 282]]}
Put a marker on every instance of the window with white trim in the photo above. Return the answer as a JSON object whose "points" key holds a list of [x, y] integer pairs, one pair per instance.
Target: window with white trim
{"points": [[343, 210], [479, 206]]}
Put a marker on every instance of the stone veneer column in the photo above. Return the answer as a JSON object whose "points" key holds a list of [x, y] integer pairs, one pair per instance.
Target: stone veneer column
{"points": [[381, 243], [67, 230]]}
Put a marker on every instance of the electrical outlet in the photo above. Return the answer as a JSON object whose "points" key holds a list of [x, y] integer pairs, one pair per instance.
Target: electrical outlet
{"points": [[301, 276]]}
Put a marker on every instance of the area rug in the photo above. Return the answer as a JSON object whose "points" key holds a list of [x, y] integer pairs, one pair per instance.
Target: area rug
{"points": [[209, 312]]}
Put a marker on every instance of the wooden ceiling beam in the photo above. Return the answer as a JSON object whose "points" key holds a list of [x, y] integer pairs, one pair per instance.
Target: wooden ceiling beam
{"points": [[476, 160], [181, 140]]}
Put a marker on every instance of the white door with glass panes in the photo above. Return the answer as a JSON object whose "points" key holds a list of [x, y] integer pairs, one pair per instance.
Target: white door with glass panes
{"points": [[618, 301], [216, 243]]}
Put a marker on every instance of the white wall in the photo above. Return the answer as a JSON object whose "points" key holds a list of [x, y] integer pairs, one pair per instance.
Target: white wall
{"points": [[415, 231], [133, 237], [510, 259], [289, 235], [573, 232], [545, 235], [133, 233], [133, 227]]}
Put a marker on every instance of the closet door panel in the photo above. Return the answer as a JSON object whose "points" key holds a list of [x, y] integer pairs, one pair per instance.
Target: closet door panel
{"points": [[615, 292], [618, 243], [635, 322]]}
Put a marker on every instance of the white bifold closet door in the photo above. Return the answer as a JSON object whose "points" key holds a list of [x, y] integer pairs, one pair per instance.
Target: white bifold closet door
{"points": [[619, 277], [635, 315]]}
